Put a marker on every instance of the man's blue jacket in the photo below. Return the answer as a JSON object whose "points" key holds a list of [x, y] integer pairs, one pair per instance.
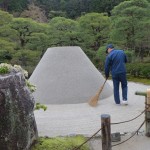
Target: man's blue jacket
{"points": [[115, 61]]}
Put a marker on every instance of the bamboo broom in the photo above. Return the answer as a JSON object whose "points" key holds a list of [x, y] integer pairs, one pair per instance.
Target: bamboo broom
{"points": [[94, 100]]}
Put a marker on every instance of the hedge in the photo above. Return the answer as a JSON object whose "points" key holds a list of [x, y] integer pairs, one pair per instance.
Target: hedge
{"points": [[139, 69]]}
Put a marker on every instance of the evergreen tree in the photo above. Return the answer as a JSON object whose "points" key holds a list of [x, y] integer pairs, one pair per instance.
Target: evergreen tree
{"points": [[131, 24]]}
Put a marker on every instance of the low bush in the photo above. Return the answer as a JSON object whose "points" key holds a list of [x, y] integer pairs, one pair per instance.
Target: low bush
{"points": [[139, 70]]}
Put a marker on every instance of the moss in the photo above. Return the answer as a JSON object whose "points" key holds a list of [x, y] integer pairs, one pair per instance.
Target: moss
{"points": [[60, 143]]}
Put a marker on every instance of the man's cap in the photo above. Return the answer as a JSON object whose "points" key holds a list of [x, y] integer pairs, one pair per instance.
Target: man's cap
{"points": [[109, 46]]}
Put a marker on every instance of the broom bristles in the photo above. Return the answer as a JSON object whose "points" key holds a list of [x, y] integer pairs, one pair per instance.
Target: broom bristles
{"points": [[94, 100]]}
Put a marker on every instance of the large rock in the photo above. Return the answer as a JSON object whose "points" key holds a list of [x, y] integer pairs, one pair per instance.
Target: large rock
{"points": [[17, 123]]}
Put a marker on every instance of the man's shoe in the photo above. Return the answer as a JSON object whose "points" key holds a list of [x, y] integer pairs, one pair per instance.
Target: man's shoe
{"points": [[125, 102]]}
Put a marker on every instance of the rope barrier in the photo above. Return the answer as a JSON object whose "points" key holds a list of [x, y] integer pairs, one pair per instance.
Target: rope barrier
{"points": [[78, 148], [130, 119], [130, 136]]}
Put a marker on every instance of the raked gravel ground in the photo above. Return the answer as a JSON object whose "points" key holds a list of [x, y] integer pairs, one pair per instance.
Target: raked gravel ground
{"points": [[72, 119]]}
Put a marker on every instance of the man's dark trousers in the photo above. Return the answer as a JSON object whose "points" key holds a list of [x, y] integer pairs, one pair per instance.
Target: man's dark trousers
{"points": [[117, 79]]}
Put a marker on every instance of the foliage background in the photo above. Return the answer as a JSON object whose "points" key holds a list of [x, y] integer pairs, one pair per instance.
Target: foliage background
{"points": [[29, 27]]}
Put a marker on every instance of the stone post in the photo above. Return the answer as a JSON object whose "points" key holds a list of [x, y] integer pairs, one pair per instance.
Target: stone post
{"points": [[18, 128]]}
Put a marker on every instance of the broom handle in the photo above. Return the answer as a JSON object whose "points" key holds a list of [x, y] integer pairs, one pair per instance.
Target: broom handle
{"points": [[100, 90]]}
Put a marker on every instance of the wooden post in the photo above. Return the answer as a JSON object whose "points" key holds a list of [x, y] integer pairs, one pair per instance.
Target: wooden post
{"points": [[106, 132], [147, 114]]}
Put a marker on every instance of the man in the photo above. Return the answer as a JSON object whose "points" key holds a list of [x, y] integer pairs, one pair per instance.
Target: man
{"points": [[115, 61]]}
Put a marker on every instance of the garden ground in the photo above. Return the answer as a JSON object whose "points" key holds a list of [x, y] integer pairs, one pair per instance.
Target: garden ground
{"points": [[74, 119]]}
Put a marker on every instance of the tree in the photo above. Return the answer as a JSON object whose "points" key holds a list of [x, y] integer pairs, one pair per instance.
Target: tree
{"points": [[104, 5], [130, 19], [64, 31], [49, 5], [73, 8], [53, 14], [4, 4], [101, 54], [7, 37], [38, 42], [25, 28], [26, 57], [94, 28], [14, 5], [5, 18], [35, 13]]}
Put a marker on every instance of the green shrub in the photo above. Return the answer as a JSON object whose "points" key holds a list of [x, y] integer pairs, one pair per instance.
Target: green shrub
{"points": [[139, 70], [101, 54], [130, 55], [4, 70]]}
